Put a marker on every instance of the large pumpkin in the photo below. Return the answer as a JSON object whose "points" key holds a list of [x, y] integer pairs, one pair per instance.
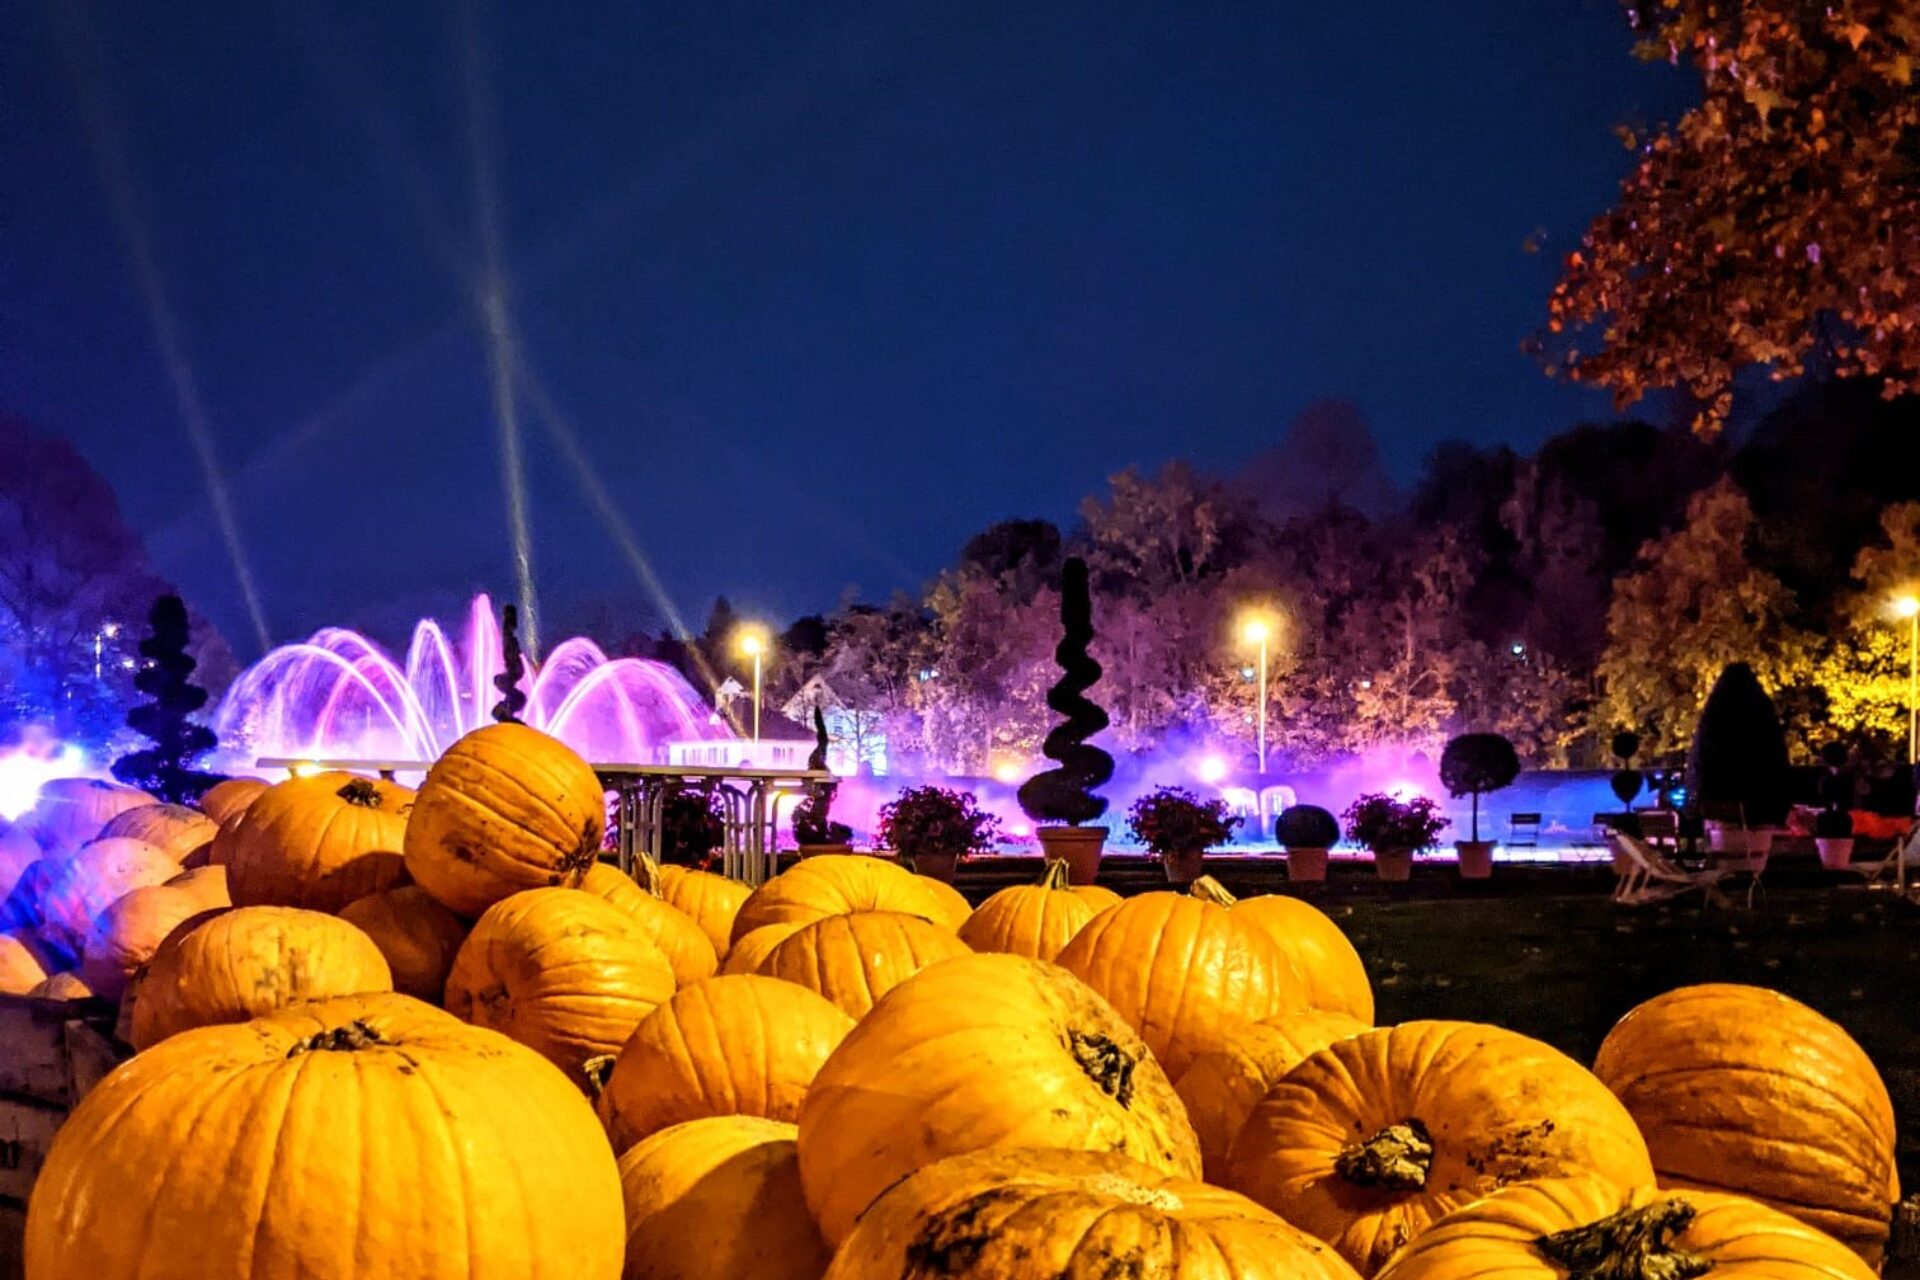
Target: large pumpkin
{"points": [[230, 797], [229, 966], [748, 953], [92, 880], [417, 935], [976, 1052], [209, 884], [710, 901], [1743, 1089], [364, 1137], [20, 969], [1097, 896], [1331, 973], [1183, 972], [562, 972], [18, 851], [855, 959], [1032, 920], [319, 842], [62, 986], [1587, 1227], [719, 1199], [173, 828], [1222, 1085], [1042, 1215], [506, 808], [680, 940], [836, 883], [741, 1045], [1374, 1138], [126, 934], [70, 811]]}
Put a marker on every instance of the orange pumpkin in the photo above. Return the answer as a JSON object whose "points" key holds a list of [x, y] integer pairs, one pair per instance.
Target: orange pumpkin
{"points": [[126, 934], [343, 1140], [506, 808], [318, 842], [742, 1045], [1330, 970], [976, 1052], [92, 880], [229, 966], [680, 940], [209, 884], [70, 811], [63, 986], [1096, 896], [1042, 1215], [719, 1199], [855, 959], [172, 828], [1032, 920], [1746, 1090], [1222, 1085], [833, 884], [562, 972], [1183, 972], [230, 797], [417, 935], [710, 901], [1554, 1228], [18, 851], [750, 952], [1374, 1138], [20, 969]]}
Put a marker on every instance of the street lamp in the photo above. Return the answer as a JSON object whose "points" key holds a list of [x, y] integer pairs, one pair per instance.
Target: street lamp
{"points": [[1257, 629], [1908, 607], [752, 642]]}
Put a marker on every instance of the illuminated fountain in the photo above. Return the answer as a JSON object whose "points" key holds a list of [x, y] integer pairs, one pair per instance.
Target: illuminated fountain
{"points": [[340, 696]]}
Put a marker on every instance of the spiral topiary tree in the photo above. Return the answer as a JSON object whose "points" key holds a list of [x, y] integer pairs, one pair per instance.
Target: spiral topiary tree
{"points": [[166, 769], [1626, 781], [1067, 794], [812, 818], [513, 699]]}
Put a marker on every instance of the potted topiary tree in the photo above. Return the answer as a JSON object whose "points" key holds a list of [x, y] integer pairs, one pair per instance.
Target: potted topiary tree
{"points": [[1474, 764], [1833, 828], [813, 829], [1738, 765], [1394, 830], [1626, 781], [1180, 827], [1307, 831], [1062, 801], [933, 828]]}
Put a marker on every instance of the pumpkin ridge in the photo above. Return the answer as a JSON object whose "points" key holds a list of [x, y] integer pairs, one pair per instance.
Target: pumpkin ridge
{"points": [[1769, 1135], [1871, 1124], [1633, 1244], [525, 784]]}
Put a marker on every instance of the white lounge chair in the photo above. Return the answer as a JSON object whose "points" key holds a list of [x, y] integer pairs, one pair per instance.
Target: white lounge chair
{"points": [[1906, 850], [1650, 877]]}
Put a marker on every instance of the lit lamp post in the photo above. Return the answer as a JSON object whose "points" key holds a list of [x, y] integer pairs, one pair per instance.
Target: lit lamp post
{"points": [[1908, 607], [1257, 630], [752, 641]]}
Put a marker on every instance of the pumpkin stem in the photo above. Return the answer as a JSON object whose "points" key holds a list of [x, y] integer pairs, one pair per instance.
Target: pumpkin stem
{"points": [[1207, 889], [362, 792], [1055, 875], [1106, 1064], [646, 874], [1396, 1159], [355, 1035], [598, 1070], [1634, 1244]]}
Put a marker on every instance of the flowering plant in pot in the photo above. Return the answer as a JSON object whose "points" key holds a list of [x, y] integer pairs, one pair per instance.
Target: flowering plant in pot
{"points": [[1180, 827], [1474, 764], [934, 828], [1307, 831], [692, 826], [1394, 830]]}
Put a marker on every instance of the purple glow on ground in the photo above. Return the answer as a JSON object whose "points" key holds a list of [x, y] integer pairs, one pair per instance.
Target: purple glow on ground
{"points": [[340, 696]]}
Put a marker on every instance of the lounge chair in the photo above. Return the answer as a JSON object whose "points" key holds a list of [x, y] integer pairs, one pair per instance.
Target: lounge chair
{"points": [[1906, 850], [1650, 877]]}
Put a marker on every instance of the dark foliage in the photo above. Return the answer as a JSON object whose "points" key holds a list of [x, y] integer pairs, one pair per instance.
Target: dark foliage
{"points": [[1739, 756], [1066, 794], [1306, 826], [166, 769], [513, 700], [1626, 785], [1380, 822], [692, 826], [1174, 820], [936, 822], [1476, 763], [1833, 824]]}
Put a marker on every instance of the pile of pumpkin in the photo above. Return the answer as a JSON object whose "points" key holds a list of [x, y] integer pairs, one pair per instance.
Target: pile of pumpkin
{"points": [[435, 1036]]}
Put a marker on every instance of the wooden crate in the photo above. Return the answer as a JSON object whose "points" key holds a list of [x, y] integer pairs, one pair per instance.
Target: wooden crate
{"points": [[51, 1053]]}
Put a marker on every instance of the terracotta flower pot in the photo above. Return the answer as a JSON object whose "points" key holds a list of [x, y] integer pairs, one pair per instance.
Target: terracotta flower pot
{"points": [[1476, 858], [1078, 847], [1393, 865], [936, 866], [816, 850], [1836, 852], [1307, 864], [1184, 868]]}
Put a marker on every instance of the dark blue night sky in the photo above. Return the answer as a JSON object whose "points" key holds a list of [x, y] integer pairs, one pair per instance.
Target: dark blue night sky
{"points": [[823, 288]]}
